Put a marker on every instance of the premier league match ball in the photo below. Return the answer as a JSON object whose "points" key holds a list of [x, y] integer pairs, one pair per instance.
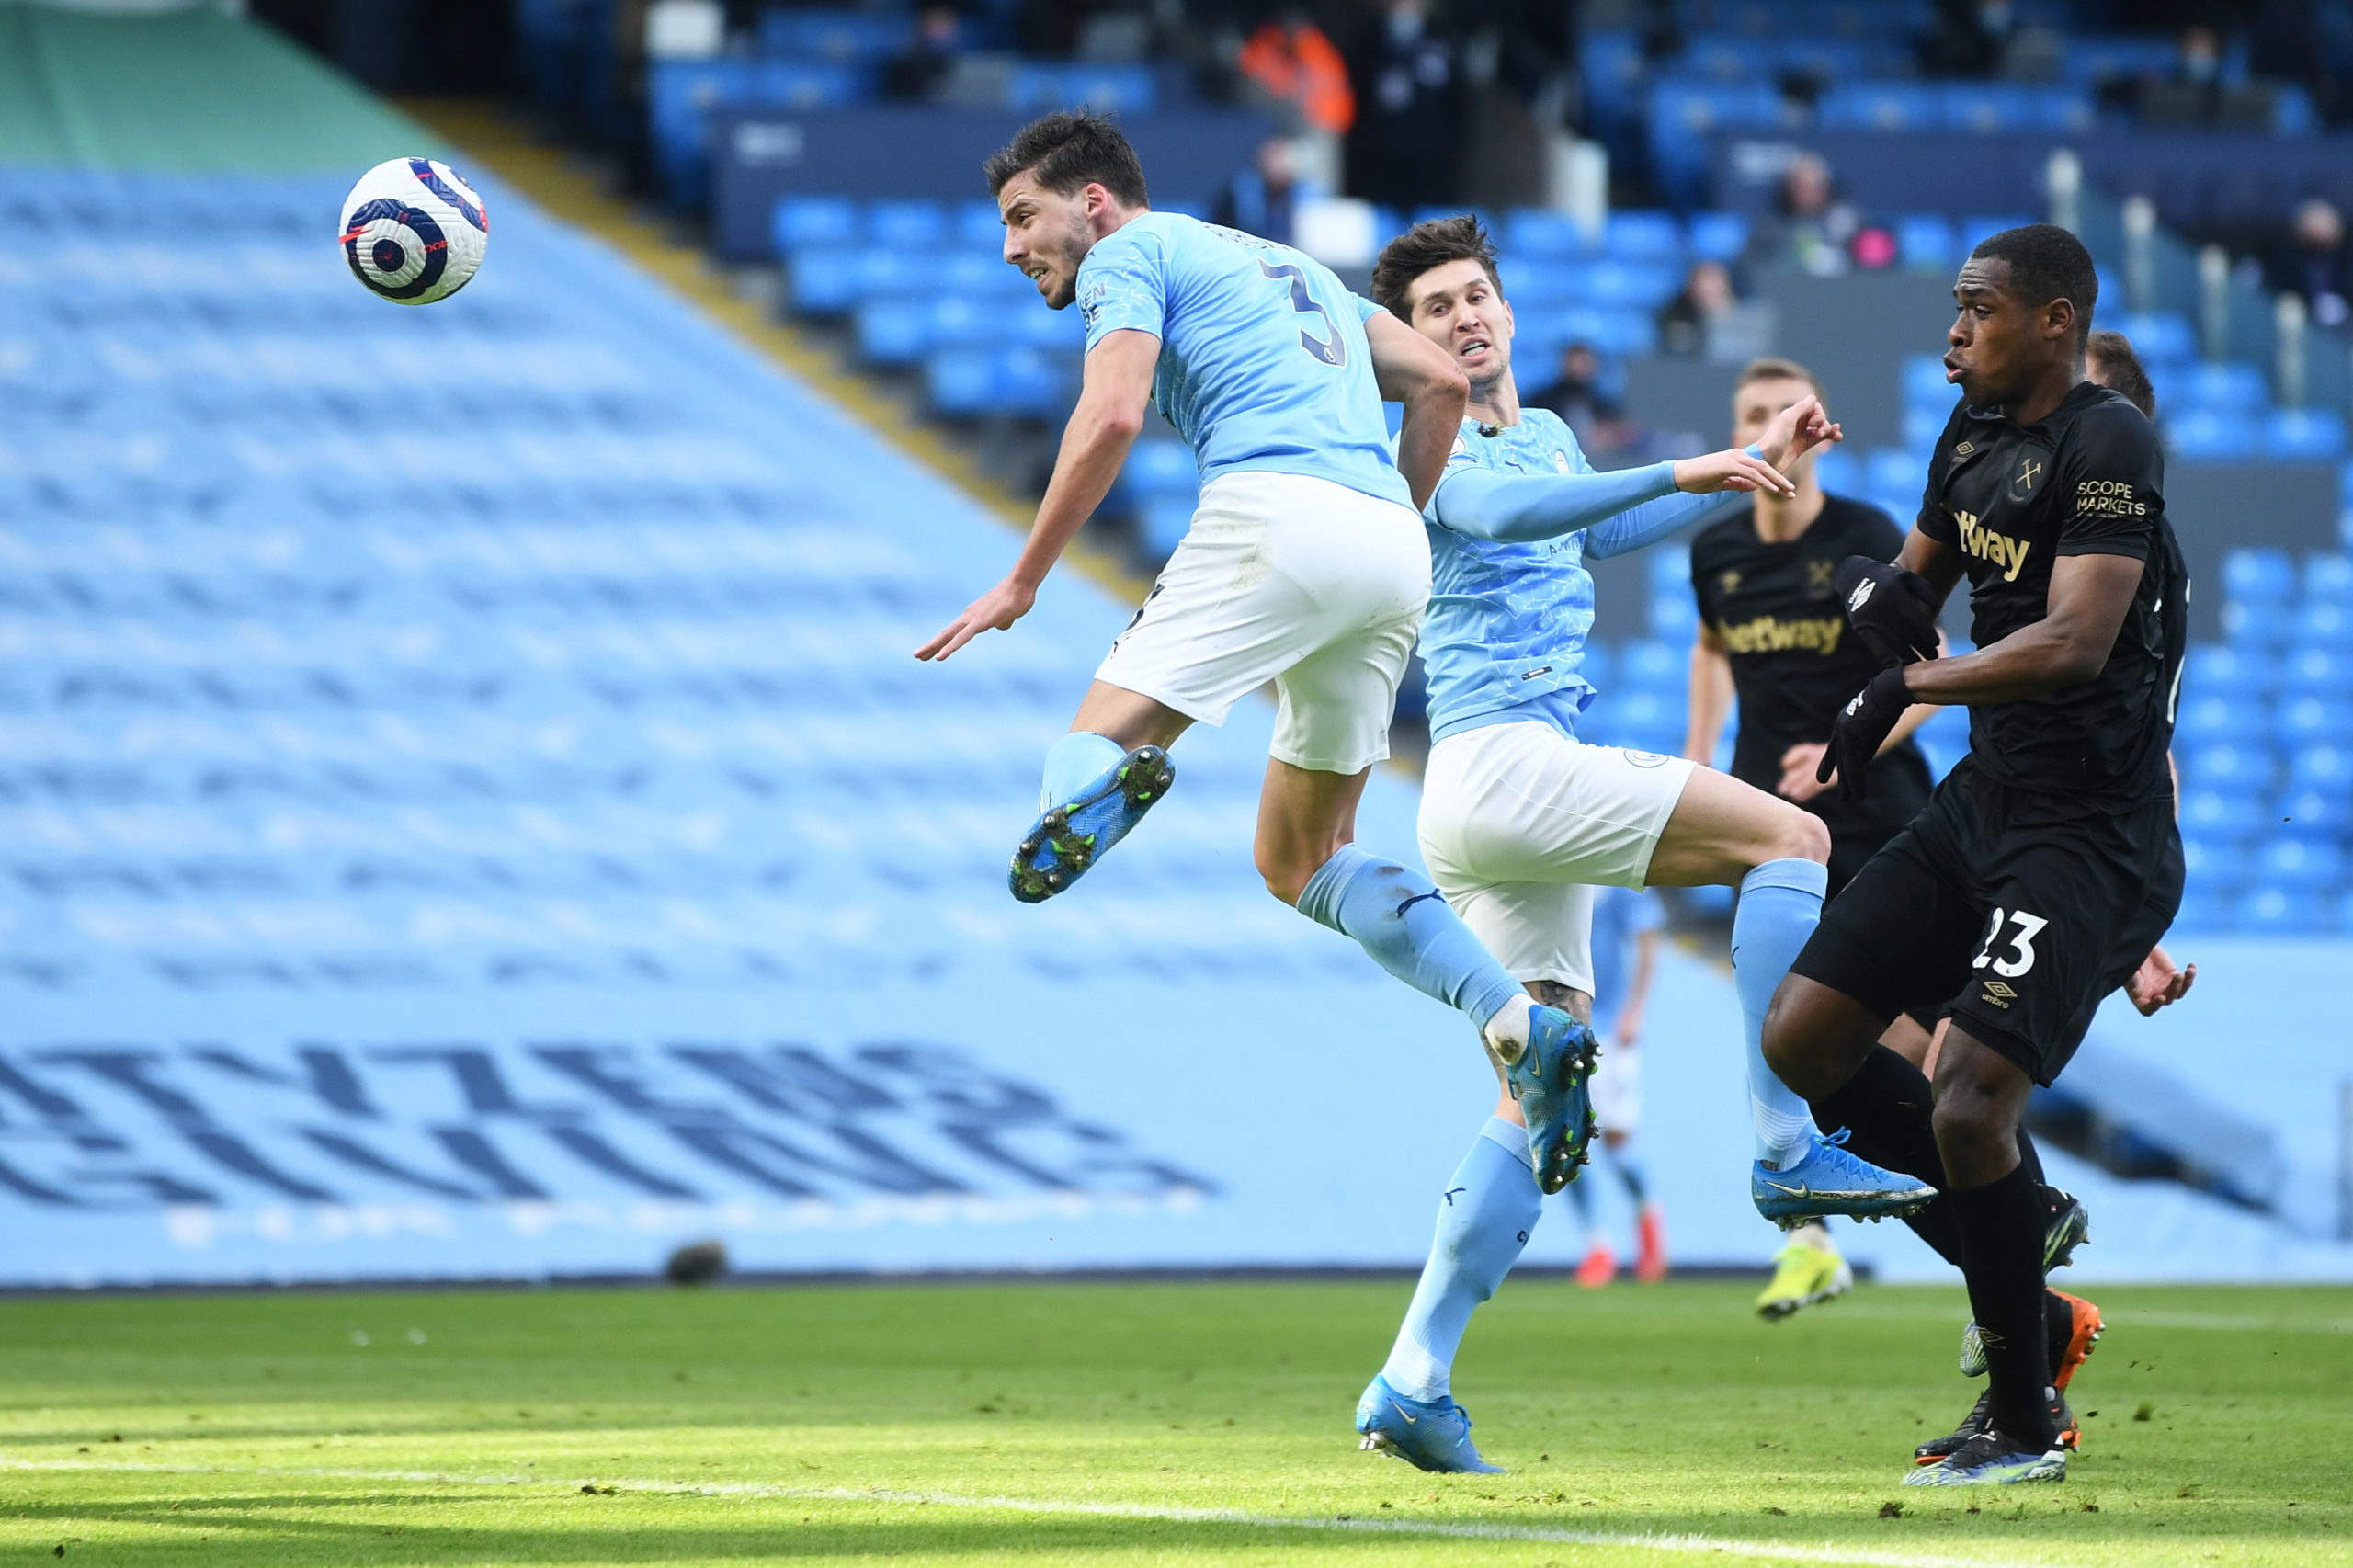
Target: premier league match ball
{"points": [[412, 230]]}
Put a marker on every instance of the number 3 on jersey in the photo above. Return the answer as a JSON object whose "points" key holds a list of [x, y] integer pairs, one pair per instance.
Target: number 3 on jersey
{"points": [[1332, 348], [2020, 946]]}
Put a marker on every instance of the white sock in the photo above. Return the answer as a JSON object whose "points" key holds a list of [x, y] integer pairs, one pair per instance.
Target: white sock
{"points": [[1506, 1032], [1782, 1139]]}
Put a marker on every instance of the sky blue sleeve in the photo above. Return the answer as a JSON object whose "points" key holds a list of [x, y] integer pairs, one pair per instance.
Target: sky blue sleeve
{"points": [[1653, 520], [1518, 507], [1123, 287], [1366, 309]]}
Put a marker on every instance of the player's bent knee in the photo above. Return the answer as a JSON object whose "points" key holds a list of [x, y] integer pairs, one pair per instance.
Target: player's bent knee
{"points": [[1798, 835], [1816, 1038]]}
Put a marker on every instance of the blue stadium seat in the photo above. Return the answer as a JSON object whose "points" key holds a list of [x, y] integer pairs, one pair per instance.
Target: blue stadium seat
{"points": [[1110, 90], [2241, 769], [2313, 813], [2160, 337], [1838, 471], [1162, 522], [2317, 671], [2325, 623], [1986, 109], [907, 225], [2329, 576], [1685, 113], [1643, 285], [1880, 105], [1924, 381], [1896, 471], [979, 227], [2214, 865], [1617, 333], [851, 36], [2282, 912], [1158, 466], [801, 222], [895, 332], [1016, 381], [2205, 912], [1636, 235], [2231, 386], [2217, 669], [1655, 666], [2316, 720], [2093, 60], [2325, 769], [1977, 229], [1718, 237], [1643, 717], [1923, 423], [2212, 717], [807, 84], [2212, 436], [2215, 815], [2302, 865], [1925, 242], [2297, 434], [1600, 664], [1537, 233], [1674, 616], [2258, 575], [824, 281]]}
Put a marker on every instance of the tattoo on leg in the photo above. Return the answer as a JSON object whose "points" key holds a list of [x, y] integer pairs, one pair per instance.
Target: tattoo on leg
{"points": [[1552, 994]]}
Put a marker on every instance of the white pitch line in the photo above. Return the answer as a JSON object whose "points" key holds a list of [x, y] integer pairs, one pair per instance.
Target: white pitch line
{"points": [[1864, 1557]]}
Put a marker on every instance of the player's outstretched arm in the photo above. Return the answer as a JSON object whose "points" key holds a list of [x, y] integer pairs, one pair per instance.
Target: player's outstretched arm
{"points": [[1111, 401], [1415, 371]]}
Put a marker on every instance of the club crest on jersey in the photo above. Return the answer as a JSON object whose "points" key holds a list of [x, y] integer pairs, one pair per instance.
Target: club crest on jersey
{"points": [[1728, 583], [1818, 573], [2007, 554], [1560, 461], [2022, 483]]}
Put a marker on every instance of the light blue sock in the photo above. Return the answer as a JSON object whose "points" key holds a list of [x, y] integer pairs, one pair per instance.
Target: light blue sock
{"points": [[1398, 918], [1073, 762], [1780, 904], [1483, 1222]]}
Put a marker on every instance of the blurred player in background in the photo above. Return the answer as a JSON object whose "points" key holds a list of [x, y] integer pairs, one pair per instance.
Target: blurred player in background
{"points": [[1521, 820], [1773, 633], [1627, 922], [1306, 566]]}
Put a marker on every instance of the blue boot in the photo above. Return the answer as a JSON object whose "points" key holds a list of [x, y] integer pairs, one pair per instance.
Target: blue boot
{"points": [[1426, 1436], [1064, 842], [1831, 1181], [1551, 1079]]}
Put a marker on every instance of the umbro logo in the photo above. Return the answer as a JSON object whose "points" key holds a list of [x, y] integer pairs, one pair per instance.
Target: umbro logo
{"points": [[1964, 449], [1995, 988], [1861, 595], [1855, 706]]}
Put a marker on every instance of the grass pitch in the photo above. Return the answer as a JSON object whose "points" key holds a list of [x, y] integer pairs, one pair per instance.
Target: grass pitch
{"points": [[1132, 1423]]}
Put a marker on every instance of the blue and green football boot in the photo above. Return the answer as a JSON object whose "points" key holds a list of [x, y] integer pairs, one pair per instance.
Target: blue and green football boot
{"points": [[1434, 1435], [1552, 1080], [1071, 837]]}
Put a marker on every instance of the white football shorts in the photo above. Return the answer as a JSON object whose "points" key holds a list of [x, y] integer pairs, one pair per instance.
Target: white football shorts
{"points": [[1308, 583], [1519, 822], [1618, 1090]]}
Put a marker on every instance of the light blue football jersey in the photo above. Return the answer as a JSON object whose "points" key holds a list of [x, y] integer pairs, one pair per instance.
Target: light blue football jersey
{"points": [[1264, 364], [1508, 623]]}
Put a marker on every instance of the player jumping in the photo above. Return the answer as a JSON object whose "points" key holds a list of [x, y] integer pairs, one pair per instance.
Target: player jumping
{"points": [[1520, 818], [1306, 566], [2047, 864]]}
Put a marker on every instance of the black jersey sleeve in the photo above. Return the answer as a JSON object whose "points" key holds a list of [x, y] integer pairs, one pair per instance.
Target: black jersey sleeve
{"points": [[2112, 479], [1704, 571], [1934, 520]]}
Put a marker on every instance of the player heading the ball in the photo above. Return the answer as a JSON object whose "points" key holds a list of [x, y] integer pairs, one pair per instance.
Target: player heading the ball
{"points": [[1306, 566]]}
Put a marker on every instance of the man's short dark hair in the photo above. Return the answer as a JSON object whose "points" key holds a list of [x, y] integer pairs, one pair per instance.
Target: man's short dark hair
{"points": [[1068, 152], [2120, 370], [2047, 263], [1422, 248]]}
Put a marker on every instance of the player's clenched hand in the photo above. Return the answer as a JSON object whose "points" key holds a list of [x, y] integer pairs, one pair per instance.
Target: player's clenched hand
{"points": [[1729, 471], [1893, 610], [1862, 728], [1797, 430], [2158, 982], [1798, 780], [994, 611]]}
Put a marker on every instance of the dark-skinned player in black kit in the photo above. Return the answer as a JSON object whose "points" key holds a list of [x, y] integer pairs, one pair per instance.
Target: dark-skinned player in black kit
{"points": [[2047, 864]]}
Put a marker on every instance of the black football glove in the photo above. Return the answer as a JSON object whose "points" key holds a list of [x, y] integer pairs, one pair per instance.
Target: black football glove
{"points": [[1862, 728], [1893, 610]]}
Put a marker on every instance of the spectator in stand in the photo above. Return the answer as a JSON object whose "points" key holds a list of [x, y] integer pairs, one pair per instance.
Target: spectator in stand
{"points": [[1406, 148], [1809, 228], [1291, 61], [1686, 321], [1575, 394], [2311, 262], [1968, 39], [916, 70], [1258, 199]]}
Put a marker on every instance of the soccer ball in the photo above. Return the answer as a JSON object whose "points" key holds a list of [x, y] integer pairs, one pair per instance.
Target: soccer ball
{"points": [[412, 230]]}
